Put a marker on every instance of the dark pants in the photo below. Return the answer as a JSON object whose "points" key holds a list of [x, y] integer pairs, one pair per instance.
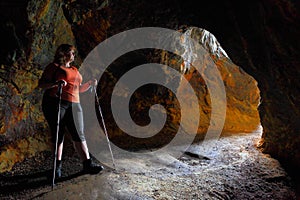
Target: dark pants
{"points": [[71, 117]]}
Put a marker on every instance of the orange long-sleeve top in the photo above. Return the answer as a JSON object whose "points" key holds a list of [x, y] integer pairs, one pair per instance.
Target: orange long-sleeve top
{"points": [[53, 72]]}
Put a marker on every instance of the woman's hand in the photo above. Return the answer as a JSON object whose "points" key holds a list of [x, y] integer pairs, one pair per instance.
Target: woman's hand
{"points": [[89, 85], [61, 82], [93, 82]]}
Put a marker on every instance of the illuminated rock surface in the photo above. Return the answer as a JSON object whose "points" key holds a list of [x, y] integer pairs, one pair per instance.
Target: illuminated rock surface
{"points": [[260, 38]]}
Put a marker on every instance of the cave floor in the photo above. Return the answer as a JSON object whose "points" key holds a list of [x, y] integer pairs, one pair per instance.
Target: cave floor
{"points": [[235, 169]]}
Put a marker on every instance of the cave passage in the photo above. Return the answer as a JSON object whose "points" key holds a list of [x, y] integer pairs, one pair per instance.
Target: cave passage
{"points": [[234, 169]]}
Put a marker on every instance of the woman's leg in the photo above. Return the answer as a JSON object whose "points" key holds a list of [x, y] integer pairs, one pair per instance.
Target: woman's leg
{"points": [[60, 150], [82, 150], [76, 128], [49, 106], [58, 161]]}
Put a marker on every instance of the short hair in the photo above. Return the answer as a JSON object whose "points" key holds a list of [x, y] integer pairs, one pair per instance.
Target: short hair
{"points": [[62, 53]]}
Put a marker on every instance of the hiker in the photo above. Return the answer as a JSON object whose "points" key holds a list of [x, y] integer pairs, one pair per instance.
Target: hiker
{"points": [[61, 74]]}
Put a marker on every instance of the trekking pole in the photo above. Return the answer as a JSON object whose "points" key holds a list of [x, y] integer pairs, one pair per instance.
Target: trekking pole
{"points": [[104, 127], [57, 131]]}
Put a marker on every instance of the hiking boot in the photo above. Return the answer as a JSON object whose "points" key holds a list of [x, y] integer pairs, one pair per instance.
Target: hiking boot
{"points": [[91, 168], [58, 169]]}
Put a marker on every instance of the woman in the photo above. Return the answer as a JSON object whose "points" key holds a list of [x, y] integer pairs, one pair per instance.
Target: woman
{"points": [[60, 71]]}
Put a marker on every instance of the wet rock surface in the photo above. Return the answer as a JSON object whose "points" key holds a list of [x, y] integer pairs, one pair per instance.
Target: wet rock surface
{"points": [[233, 169]]}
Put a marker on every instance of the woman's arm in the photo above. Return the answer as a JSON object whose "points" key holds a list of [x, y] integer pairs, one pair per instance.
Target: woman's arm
{"points": [[47, 80], [47, 85], [86, 86]]}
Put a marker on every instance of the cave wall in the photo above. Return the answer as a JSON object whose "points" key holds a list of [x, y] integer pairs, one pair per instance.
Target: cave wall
{"points": [[259, 36], [265, 44]]}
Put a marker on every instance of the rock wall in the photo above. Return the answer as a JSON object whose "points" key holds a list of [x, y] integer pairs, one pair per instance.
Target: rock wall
{"points": [[32, 31], [259, 37], [266, 33], [242, 93]]}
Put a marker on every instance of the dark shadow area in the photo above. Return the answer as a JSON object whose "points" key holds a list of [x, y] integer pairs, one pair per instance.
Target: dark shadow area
{"points": [[22, 183], [34, 175]]}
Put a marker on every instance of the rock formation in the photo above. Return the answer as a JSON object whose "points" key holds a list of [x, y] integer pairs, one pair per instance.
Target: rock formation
{"points": [[260, 38]]}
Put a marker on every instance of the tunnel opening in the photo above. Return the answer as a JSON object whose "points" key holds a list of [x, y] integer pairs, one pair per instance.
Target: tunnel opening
{"points": [[254, 33], [242, 95]]}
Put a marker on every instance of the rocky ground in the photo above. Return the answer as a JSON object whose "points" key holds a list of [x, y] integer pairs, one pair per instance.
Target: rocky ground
{"points": [[235, 169]]}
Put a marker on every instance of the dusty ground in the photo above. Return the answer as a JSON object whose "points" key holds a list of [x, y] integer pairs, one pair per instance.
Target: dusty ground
{"points": [[234, 170]]}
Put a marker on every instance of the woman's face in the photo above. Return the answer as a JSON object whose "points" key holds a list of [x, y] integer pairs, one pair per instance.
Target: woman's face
{"points": [[72, 53], [71, 56]]}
